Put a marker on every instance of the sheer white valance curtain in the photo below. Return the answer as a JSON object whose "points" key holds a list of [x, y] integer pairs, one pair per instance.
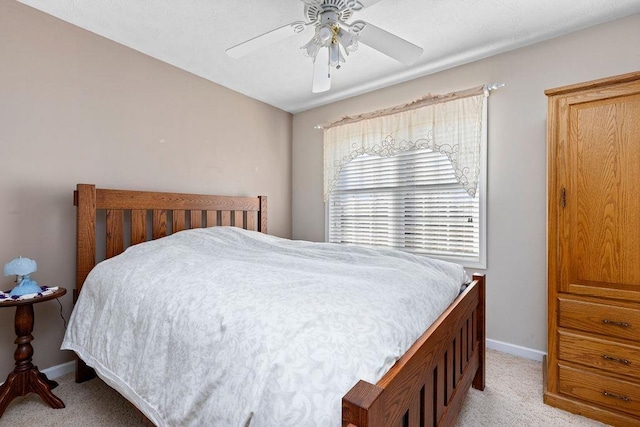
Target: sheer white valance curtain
{"points": [[450, 124]]}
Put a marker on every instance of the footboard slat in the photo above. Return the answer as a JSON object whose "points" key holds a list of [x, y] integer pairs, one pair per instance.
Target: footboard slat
{"points": [[474, 328], [428, 398], [441, 390], [427, 385], [463, 347], [413, 417], [452, 356]]}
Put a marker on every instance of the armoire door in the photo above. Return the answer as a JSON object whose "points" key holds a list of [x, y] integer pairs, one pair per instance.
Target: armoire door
{"points": [[599, 194]]}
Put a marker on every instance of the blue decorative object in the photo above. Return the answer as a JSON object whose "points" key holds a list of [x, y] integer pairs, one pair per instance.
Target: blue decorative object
{"points": [[22, 268]]}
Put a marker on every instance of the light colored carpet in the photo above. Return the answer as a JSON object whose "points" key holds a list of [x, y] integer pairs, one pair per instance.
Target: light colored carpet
{"points": [[512, 397]]}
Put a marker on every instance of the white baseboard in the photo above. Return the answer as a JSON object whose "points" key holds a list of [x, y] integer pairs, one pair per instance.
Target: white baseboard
{"points": [[516, 350], [59, 370]]}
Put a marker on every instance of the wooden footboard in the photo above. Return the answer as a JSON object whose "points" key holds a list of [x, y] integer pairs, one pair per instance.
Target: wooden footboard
{"points": [[427, 386]]}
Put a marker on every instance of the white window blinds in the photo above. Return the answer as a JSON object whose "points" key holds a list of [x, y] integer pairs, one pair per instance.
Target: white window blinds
{"points": [[411, 201]]}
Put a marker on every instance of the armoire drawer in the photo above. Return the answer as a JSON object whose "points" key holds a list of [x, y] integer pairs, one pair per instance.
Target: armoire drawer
{"points": [[606, 318], [612, 393], [608, 355]]}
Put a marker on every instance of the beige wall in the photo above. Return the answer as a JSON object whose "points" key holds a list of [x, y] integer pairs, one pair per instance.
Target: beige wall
{"points": [[75, 107], [516, 273]]}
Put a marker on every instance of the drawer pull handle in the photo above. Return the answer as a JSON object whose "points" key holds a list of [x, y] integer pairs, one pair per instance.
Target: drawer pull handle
{"points": [[615, 359], [613, 322], [616, 396]]}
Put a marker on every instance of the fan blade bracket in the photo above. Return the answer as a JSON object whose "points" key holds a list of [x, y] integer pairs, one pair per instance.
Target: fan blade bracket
{"points": [[298, 26], [357, 26], [354, 5]]}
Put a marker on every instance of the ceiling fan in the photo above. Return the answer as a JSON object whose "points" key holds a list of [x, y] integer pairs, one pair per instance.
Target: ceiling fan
{"points": [[333, 36]]}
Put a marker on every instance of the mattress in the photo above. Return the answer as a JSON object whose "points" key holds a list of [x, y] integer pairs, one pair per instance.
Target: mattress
{"points": [[227, 327]]}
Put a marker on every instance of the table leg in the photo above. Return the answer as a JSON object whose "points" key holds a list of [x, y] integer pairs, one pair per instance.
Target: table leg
{"points": [[26, 378]]}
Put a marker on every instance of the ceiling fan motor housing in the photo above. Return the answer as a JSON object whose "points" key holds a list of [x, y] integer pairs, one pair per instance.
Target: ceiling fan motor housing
{"points": [[327, 27], [343, 9]]}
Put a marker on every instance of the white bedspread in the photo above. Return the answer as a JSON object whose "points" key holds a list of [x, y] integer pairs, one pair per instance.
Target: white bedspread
{"points": [[227, 327]]}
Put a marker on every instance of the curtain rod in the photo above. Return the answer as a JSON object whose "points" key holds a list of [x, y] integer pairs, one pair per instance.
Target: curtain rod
{"points": [[428, 99]]}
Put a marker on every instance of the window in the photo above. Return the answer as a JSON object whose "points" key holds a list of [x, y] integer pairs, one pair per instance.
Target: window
{"points": [[412, 199]]}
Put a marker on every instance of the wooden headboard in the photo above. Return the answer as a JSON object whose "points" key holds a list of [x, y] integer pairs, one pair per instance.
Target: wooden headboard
{"points": [[133, 217]]}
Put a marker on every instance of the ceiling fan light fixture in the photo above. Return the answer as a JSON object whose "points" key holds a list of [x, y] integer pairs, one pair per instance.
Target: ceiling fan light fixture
{"points": [[330, 19], [325, 34], [348, 40], [312, 48]]}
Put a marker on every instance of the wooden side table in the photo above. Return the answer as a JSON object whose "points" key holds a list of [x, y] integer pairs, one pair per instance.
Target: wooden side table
{"points": [[26, 378]]}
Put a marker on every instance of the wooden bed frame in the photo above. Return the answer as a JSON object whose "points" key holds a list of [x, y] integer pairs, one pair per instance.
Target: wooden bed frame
{"points": [[426, 387]]}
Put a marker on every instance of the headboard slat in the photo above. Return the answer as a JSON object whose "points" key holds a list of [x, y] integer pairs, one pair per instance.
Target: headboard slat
{"points": [[238, 219], [262, 218], [115, 225], [159, 223], [251, 221], [212, 218], [196, 219], [225, 218], [138, 226], [179, 221]]}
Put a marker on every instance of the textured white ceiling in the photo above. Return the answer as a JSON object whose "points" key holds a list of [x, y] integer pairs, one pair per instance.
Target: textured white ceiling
{"points": [[194, 34]]}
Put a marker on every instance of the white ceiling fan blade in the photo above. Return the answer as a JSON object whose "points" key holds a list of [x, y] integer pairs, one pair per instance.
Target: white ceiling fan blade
{"points": [[367, 3], [266, 39], [389, 44], [321, 71]]}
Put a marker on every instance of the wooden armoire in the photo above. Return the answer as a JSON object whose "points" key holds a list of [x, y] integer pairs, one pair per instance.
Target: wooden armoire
{"points": [[593, 359]]}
